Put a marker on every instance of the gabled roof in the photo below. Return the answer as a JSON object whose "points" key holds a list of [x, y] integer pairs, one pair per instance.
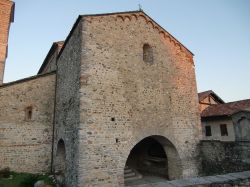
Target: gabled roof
{"points": [[55, 46], [203, 95], [226, 109], [140, 12]]}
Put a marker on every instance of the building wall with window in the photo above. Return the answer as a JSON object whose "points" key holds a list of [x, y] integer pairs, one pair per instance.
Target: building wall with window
{"points": [[26, 118], [136, 83], [218, 129]]}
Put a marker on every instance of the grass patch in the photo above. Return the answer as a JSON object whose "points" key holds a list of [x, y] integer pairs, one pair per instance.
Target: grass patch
{"points": [[24, 180]]}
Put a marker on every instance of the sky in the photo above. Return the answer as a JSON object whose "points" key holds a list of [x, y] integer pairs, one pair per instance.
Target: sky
{"points": [[216, 31]]}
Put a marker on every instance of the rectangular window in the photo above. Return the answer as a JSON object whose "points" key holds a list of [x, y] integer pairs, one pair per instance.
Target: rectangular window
{"points": [[223, 130], [208, 131]]}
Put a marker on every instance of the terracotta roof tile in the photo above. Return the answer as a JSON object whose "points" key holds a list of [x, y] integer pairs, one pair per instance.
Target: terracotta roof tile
{"points": [[226, 109], [203, 95]]}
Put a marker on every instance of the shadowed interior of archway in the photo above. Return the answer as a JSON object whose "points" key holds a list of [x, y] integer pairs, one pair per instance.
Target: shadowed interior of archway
{"points": [[154, 156], [60, 158], [148, 158]]}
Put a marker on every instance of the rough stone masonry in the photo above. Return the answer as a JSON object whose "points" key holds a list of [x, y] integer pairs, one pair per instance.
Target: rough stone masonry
{"points": [[109, 98], [120, 81]]}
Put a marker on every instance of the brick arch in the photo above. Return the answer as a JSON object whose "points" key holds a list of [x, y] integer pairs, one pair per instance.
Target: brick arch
{"points": [[134, 16], [162, 34], [150, 23], [121, 17], [127, 17], [143, 17], [167, 37], [157, 28]]}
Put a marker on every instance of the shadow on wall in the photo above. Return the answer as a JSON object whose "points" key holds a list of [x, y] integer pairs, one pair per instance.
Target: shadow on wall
{"points": [[220, 157], [60, 162]]}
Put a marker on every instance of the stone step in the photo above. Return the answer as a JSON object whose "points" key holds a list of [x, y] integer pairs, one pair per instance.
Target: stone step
{"points": [[128, 170], [131, 174], [133, 178]]}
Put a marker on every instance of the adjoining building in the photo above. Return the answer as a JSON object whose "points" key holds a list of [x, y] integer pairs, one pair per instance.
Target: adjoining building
{"points": [[225, 146], [224, 121]]}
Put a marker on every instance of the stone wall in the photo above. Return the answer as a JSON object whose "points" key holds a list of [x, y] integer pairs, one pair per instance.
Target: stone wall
{"points": [[26, 124], [239, 179], [67, 104], [223, 157], [6, 17], [124, 99]]}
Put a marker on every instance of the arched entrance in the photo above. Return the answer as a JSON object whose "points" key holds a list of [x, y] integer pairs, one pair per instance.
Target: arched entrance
{"points": [[153, 156], [60, 159]]}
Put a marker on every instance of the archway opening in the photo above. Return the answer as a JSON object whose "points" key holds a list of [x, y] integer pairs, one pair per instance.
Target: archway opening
{"points": [[153, 157], [60, 159]]}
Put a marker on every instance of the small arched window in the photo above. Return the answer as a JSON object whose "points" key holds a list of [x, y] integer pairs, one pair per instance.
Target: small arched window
{"points": [[28, 113], [60, 159], [148, 54]]}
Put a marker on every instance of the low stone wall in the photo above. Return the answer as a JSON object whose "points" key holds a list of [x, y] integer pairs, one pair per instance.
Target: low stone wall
{"points": [[223, 157], [228, 180]]}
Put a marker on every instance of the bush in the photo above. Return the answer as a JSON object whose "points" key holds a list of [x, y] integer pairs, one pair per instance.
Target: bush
{"points": [[24, 179], [29, 181], [5, 173]]}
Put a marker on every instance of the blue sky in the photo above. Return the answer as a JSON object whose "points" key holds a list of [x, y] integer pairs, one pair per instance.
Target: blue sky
{"points": [[216, 31]]}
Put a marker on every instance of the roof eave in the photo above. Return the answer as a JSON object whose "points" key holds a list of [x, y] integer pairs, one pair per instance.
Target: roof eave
{"points": [[69, 35], [45, 62]]}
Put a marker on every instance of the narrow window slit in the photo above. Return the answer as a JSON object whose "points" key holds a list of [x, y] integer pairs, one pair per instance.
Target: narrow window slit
{"points": [[28, 113]]}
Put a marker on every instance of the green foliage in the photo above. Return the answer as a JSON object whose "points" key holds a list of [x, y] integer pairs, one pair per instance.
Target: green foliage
{"points": [[25, 180], [29, 181], [5, 173]]}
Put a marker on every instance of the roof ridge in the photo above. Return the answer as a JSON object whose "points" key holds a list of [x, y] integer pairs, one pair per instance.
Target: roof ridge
{"points": [[237, 101], [113, 13]]}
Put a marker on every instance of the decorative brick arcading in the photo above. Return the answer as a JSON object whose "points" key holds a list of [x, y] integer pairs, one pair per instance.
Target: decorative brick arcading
{"points": [[166, 35]]}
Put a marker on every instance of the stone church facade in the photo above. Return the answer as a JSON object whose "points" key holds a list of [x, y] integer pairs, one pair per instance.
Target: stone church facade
{"points": [[118, 93]]}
